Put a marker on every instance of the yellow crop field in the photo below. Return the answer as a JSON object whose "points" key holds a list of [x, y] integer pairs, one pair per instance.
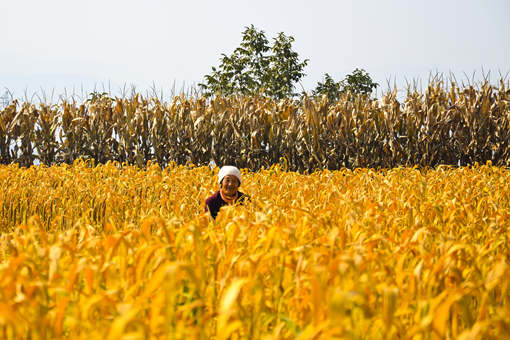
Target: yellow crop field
{"points": [[119, 252]]}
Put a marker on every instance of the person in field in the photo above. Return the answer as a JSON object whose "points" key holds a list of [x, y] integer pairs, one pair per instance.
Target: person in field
{"points": [[229, 179]]}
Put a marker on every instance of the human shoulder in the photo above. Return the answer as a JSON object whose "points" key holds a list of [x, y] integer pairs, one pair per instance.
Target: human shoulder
{"points": [[213, 198]]}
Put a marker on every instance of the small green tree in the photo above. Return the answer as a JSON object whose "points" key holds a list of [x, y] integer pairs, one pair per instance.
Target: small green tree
{"points": [[330, 88], [358, 82], [256, 67]]}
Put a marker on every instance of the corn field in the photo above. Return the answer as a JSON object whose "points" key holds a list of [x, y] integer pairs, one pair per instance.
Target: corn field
{"points": [[122, 252], [445, 125]]}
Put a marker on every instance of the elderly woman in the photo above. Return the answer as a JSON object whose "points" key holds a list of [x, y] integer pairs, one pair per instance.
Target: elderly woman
{"points": [[229, 179]]}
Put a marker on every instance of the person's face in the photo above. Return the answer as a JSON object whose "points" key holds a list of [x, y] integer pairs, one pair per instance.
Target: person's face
{"points": [[230, 184]]}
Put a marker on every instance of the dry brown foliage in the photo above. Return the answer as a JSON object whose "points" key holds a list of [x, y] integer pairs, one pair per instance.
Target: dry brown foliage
{"points": [[453, 126]]}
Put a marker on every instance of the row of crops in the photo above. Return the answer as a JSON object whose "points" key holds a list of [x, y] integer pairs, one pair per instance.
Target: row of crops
{"points": [[114, 252], [443, 125]]}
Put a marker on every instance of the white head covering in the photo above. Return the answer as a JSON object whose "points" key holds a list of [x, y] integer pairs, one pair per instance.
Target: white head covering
{"points": [[229, 170]]}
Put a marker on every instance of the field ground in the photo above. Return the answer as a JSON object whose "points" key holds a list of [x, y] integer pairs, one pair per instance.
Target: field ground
{"points": [[119, 252]]}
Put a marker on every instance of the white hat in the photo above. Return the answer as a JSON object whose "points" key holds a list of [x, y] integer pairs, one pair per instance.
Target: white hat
{"points": [[229, 170]]}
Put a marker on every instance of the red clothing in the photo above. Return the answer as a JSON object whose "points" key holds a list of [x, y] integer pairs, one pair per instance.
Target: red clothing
{"points": [[215, 202]]}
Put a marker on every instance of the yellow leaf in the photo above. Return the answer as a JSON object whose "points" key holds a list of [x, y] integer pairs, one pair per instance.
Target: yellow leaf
{"points": [[496, 274], [61, 309], [231, 295], [119, 324]]}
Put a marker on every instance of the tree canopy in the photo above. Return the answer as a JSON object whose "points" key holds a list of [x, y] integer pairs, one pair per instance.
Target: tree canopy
{"points": [[256, 66], [358, 82]]}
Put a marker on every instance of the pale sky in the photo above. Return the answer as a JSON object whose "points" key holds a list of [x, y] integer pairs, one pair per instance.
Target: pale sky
{"points": [[63, 44]]}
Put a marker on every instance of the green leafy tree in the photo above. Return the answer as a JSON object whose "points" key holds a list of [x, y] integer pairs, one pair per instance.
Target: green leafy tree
{"points": [[257, 67], [330, 88], [358, 82]]}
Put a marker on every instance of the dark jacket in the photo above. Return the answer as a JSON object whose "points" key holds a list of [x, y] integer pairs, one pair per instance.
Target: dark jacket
{"points": [[215, 202]]}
